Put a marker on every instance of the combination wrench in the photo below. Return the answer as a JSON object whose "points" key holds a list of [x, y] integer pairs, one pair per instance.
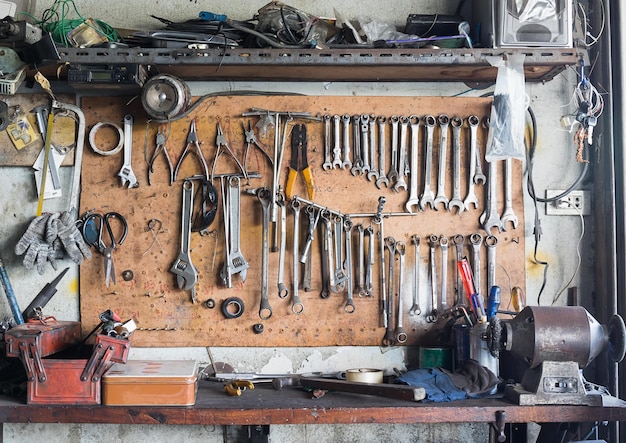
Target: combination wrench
{"points": [[297, 307], [415, 308], [340, 275], [389, 337], [328, 160], [444, 122], [508, 215], [357, 164], [312, 226], [428, 196], [400, 334], [186, 273], [347, 227], [265, 198], [360, 287], [491, 242], [471, 198], [458, 241], [479, 177], [345, 124], [443, 244], [283, 292], [373, 173], [476, 240], [382, 158], [456, 202], [327, 255], [401, 182], [369, 267], [490, 217], [413, 197], [433, 241], [337, 163], [394, 171], [365, 143], [126, 173]]}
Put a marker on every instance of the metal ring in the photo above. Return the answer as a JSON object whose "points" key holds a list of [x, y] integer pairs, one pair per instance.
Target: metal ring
{"points": [[232, 301], [92, 138]]}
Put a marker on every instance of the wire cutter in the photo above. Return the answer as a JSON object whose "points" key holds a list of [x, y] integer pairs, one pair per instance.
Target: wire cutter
{"points": [[192, 139], [299, 162], [93, 227], [161, 146], [222, 146]]}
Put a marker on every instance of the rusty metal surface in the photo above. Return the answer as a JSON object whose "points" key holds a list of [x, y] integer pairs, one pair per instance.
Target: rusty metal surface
{"points": [[50, 338]]}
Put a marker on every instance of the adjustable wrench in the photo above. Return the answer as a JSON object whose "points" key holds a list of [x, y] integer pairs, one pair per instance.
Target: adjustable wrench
{"points": [[413, 197], [444, 122], [394, 172], [357, 164], [491, 242], [490, 217], [401, 183], [389, 337], [471, 198], [365, 142], [476, 240], [297, 307], [415, 308], [337, 163], [508, 215], [401, 336], [186, 273], [328, 161], [427, 195], [373, 173], [382, 177], [443, 243], [238, 264], [433, 241], [458, 241], [369, 268], [126, 173], [457, 123], [479, 177], [360, 285], [282, 289], [347, 227], [345, 124]]}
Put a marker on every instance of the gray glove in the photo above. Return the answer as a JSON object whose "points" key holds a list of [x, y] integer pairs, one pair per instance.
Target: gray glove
{"points": [[36, 246], [64, 228]]}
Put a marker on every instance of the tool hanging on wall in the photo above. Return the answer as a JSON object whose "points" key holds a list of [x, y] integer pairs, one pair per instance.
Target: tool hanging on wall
{"points": [[299, 162]]}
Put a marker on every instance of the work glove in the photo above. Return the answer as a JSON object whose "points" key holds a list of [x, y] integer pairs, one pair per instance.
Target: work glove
{"points": [[35, 245], [64, 229]]}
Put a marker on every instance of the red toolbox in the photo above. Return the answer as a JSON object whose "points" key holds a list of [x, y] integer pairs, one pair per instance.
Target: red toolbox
{"points": [[58, 368]]}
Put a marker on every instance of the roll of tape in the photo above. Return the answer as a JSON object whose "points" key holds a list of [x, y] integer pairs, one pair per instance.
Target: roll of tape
{"points": [[365, 375]]}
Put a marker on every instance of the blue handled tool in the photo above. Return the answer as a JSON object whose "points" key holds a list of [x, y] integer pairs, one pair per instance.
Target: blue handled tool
{"points": [[211, 17], [493, 302]]}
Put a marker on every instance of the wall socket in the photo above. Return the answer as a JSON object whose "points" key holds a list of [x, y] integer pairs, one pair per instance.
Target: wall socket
{"points": [[577, 202]]}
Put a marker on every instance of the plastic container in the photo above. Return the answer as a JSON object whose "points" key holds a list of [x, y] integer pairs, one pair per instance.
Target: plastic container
{"points": [[151, 383]]}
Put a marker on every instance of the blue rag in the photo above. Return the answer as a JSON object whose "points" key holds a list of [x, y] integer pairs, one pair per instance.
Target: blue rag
{"points": [[438, 385]]}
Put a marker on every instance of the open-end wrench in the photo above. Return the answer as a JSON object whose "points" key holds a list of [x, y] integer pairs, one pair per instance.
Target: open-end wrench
{"points": [[365, 142], [357, 164], [456, 202], [427, 196], [382, 177], [491, 242], [471, 198], [479, 177], [394, 172], [337, 163], [444, 122], [327, 255], [400, 334], [404, 125], [490, 218], [126, 173], [283, 292], [369, 266], [347, 227], [297, 307], [383, 279], [264, 196], [415, 308], [508, 215], [476, 240], [238, 264], [360, 281], [389, 337], [340, 274], [413, 197], [373, 173], [458, 241], [433, 242], [345, 124], [328, 160], [443, 243], [186, 272]]}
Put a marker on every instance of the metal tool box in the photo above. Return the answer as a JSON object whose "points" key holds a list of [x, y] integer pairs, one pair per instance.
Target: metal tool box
{"points": [[151, 382], [59, 370]]}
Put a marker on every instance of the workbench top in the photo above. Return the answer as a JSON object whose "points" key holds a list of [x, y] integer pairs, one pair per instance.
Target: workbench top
{"points": [[263, 405]]}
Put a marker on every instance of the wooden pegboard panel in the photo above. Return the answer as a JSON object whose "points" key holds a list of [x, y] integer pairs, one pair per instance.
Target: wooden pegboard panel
{"points": [[323, 321]]}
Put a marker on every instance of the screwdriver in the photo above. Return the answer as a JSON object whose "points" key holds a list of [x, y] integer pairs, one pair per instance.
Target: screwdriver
{"points": [[493, 302], [475, 299]]}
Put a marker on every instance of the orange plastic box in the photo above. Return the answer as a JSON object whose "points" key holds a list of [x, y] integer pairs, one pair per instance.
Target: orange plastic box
{"points": [[151, 382]]}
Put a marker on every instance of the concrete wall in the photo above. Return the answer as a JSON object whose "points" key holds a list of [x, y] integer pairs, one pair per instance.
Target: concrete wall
{"points": [[555, 169]]}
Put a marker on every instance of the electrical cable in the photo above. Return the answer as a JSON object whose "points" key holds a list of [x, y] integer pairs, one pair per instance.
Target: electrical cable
{"points": [[580, 239]]}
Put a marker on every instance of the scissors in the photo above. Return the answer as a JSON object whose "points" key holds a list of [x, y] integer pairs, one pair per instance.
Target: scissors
{"points": [[93, 227]]}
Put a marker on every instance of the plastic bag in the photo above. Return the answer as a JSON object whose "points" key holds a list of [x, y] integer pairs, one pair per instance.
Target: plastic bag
{"points": [[508, 111]]}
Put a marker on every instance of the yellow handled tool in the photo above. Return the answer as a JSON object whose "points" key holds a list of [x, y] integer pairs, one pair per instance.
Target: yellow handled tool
{"points": [[299, 162], [236, 387]]}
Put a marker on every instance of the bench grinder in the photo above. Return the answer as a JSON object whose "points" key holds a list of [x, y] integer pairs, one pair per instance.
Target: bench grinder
{"points": [[556, 342]]}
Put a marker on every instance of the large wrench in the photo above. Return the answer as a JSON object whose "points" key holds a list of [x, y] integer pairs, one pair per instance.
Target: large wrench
{"points": [[340, 275], [345, 124], [471, 198], [401, 336], [360, 286], [365, 143], [508, 215], [444, 122], [389, 337], [394, 172], [337, 163], [382, 177], [264, 196], [415, 308], [456, 202], [313, 220], [282, 289], [327, 256], [413, 197], [433, 241], [369, 267], [373, 173], [490, 217], [297, 307], [357, 164], [186, 273], [126, 173], [328, 160], [238, 263], [491, 242], [428, 196], [458, 241], [347, 227], [443, 243], [476, 240], [401, 183]]}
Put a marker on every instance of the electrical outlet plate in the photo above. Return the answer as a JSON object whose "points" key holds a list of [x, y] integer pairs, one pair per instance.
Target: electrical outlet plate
{"points": [[579, 203]]}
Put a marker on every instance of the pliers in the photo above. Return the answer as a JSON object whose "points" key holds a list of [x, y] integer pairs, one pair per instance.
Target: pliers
{"points": [[236, 387], [222, 146], [192, 139], [252, 141], [161, 146], [299, 162]]}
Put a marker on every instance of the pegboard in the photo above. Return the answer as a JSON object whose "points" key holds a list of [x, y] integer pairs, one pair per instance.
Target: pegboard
{"points": [[166, 314]]}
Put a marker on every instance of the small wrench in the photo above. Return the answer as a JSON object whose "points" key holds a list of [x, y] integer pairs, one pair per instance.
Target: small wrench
{"points": [[456, 202], [401, 183], [373, 173], [347, 227], [458, 241], [126, 173], [328, 161], [401, 335], [508, 215], [337, 163], [394, 172], [433, 241], [443, 243], [415, 308], [427, 195], [444, 122], [471, 198], [413, 197], [382, 178], [357, 164], [491, 242], [365, 142], [389, 337], [361, 260], [476, 240], [297, 307], [345, 122]]}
